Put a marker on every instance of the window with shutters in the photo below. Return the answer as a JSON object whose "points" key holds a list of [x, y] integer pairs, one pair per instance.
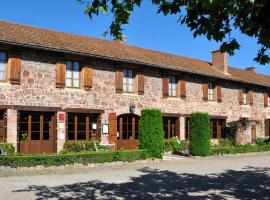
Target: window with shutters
{"points": [[72, 74], [172, 86], [211, 91], [128, 80], [82, 126], [3, 66], [245, 96]]}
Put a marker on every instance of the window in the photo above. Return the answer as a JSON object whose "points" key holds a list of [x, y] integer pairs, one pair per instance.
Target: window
{"points": [[245, 96], [169, 127], [128, 126], [128, 82], [268, 99], [172, 86], [83, 126], [216, 127], [72, 74], [211, 89], [3, 64]]}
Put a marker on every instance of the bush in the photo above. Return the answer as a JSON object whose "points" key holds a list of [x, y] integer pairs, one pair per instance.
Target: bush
{"points": [[64, 159], [76, 147], [199, 134], [240, 149], [174, 145], [8, 148], [167, 145], [225, 142], [151, 135], [260, 141]]}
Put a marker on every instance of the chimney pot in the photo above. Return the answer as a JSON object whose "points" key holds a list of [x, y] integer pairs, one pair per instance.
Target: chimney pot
{"points": [[251, 69], [219, 60]]}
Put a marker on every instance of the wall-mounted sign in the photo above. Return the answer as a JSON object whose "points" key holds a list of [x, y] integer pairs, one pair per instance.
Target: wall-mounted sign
{"points": [[105, 128], [61, 117], [94, 126]]}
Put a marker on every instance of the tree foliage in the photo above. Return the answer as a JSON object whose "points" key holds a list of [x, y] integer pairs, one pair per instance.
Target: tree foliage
{"points": [[215, 19]]}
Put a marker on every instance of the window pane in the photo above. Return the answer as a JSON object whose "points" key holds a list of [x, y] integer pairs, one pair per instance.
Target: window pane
{"points": [[68, 73], [2, 66], [68, 82], [76, 66], [69, 65], [3, 56], [130, 73], [173, 93], [75, 83], [81, 136], [76, 75], [2, 76], [130, 88]]}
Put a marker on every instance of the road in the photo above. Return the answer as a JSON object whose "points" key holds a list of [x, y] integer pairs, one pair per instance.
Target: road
{"points": [[232, 177]]}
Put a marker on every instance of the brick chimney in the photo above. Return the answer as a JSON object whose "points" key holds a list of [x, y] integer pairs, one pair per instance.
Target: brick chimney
{"points": [[251, 69], [123, 40], [219, 60]]}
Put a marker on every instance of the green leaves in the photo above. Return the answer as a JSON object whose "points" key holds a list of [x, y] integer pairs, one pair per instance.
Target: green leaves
{"points": [[215, 19]]}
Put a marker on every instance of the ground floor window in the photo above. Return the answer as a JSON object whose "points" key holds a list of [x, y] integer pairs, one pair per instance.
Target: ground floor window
{"points": [[36, 125], [83, 126], [170, 127], [3, 136], [128, 126]]}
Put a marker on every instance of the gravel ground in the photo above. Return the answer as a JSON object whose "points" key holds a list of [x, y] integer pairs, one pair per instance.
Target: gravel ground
{"points": [[229, 177]]}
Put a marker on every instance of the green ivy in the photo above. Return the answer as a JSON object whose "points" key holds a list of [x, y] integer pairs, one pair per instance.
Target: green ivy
{"points": [[8, 148]]}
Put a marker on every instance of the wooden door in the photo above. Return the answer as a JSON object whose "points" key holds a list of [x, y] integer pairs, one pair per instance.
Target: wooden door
{"points": [[2, 127], [253, 133], [267, 127]]}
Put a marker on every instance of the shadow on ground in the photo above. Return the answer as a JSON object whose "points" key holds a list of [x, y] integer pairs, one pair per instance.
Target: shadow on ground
{"points": [[251, 183]]}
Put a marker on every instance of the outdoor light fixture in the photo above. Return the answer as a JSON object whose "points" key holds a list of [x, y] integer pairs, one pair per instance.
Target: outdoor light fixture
{"points": [[132, 107]]}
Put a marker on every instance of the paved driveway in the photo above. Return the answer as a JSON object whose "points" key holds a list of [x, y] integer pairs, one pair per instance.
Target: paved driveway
{"points": [[236, 177]]}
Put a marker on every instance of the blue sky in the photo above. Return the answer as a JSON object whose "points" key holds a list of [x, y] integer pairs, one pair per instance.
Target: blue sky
{"points": [[146, 29]]}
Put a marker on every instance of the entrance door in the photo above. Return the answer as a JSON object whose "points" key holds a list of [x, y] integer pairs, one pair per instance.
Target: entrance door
{"points": [[37, 132], [2, 127], [253, 133], [267, 127]]}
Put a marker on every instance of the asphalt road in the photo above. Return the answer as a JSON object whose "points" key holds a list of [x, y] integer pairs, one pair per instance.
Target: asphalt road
{"points": [[235, 177]]}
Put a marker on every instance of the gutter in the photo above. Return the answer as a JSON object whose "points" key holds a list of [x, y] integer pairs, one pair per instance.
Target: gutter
{"points": [[59, 50]]}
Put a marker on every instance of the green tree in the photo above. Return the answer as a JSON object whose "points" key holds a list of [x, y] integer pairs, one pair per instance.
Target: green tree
{"points": [[151, 134], [215, 19]]}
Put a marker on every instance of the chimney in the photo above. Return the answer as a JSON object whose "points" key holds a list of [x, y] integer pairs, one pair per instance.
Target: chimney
{"points": [[251, 69], [123, 40], [219, 61]]}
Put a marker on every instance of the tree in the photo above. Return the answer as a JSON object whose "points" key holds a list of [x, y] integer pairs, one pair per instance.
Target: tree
{"points": [[215, 19]]}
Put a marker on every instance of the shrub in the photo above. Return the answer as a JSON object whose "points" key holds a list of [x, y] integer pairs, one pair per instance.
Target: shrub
{"points": [[76, 147], [225, 142], [151, 135], [176, 144], [8, 148], [63, 159], [260, 141], [167, 145], [199, 134]]}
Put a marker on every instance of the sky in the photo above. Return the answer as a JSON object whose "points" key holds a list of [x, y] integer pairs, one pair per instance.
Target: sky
{"points": [[146, 29]]}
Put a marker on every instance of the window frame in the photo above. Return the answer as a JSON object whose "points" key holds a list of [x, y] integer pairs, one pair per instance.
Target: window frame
{"points": [[268, 99], [128, 81], [72, 74], [211, 91], [245, 96], [131, 122], [172, 86], [169, 127], [5, 62]]}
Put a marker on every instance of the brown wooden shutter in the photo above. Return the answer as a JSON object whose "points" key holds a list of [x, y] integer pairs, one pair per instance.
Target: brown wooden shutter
{"points": [[140, 84], [183, 90], [265, 99], [118, 80], [165, 86], [240, 96], [205, 91], [15, 63], [60, 74], [250, 96], [87, 77], [113, 128], [219, 93]]}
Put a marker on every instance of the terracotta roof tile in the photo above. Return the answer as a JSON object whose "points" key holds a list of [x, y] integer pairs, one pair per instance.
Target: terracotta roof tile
{"points": [[41, 38]]}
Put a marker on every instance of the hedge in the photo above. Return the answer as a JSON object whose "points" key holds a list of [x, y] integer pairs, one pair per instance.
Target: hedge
{"points": [[199, 134], [240, 149], [8, 148], [151, 134], [77, 147], [64, 159]]}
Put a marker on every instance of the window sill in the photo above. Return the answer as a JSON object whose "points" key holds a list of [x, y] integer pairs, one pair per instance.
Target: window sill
{"points": [[5, 83], [130, 94], [73, 89]]}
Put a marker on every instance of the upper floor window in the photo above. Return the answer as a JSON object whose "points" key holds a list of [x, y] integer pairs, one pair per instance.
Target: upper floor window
{"points": [[128, 82], [245, 96], [3, 63], [172, 86], [268, 100], [72, 74], [211, 89]]}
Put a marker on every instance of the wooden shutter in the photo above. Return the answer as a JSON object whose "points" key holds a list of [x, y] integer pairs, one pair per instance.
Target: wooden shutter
{"points": [[205, 91], [87, 77], [265, 99], [183, 90], [219, 93], [15, 63], [165, 86], [140, 84], [250, 96], [240, 96], [113, 128], [60, 74], [118, 80]]}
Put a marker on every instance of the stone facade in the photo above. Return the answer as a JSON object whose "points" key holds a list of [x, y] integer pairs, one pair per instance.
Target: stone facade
{"points": [[38, 89]]}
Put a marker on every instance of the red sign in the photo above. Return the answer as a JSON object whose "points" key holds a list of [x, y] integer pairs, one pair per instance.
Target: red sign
{"points": [[61, 117]]}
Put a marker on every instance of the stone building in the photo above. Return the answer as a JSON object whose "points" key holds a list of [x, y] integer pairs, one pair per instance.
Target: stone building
{"points": [[58, 87]]}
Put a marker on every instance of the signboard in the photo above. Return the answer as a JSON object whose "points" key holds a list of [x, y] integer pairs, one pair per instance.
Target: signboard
{"points": [[61, 117], [105, 128]]}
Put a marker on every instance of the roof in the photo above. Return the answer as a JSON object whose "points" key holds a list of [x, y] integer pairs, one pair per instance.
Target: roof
{"points": [[28, 36]]}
